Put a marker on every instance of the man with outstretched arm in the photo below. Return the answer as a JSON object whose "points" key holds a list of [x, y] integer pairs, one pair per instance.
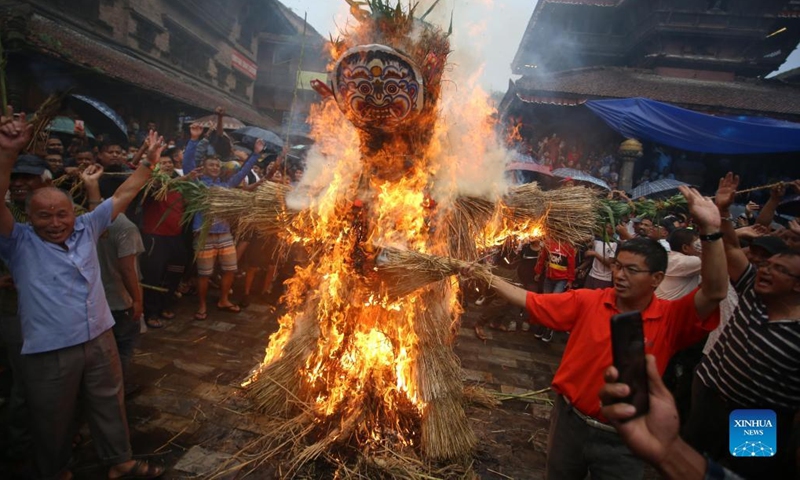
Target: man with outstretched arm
{"points": [[70, 351], [580, 440]]}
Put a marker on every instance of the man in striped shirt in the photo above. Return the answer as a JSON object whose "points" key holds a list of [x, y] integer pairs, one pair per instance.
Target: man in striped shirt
{"points": [[755, 364]]}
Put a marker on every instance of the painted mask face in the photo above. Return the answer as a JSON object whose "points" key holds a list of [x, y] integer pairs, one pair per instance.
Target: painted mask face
{"points": [[377, 87]]}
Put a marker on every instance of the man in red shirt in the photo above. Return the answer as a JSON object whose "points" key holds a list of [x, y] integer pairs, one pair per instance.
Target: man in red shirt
{"points": [[580, 440], [558, 264]]}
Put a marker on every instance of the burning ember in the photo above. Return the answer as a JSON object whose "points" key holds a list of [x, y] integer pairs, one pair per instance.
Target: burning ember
{"points": [[362, 363]]}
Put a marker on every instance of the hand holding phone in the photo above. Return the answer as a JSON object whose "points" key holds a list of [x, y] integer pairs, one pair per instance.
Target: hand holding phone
{"points": [[627, 346]]}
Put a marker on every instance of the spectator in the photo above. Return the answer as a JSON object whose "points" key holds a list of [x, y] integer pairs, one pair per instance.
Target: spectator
{"points": [[754, 363], [683, 268], [55, 163], [580, 439], [602, 254], [166, 254], [558, 264], [54, 145], [218, 244], [54, 265]]}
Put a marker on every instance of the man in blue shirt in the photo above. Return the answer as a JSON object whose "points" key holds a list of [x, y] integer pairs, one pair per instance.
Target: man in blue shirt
{"points": [[218, 244], [66, 322]]}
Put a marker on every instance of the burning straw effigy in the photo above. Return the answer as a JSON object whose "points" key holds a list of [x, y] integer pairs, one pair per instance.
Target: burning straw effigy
{"points": [[361, 379]]}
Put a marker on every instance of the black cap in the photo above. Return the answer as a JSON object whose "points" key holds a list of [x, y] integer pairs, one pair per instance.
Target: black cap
{"points": [[770, 243], [30, 164]]}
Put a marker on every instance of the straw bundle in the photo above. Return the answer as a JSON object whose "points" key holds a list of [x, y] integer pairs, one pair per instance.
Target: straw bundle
{"points": [[465, 222], [446, 433], [401, 272], [41, 120], [263, 211], [569, 212], [277, 385]]}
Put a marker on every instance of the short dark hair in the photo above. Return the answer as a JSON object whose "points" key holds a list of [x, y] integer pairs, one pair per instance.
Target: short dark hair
{"points": [[108, 143], [680, 237], [655, 255]]}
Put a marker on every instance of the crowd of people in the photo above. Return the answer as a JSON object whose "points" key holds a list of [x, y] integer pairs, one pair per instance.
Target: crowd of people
{"points": [[720, 299], [80, 235], [720, 302]]}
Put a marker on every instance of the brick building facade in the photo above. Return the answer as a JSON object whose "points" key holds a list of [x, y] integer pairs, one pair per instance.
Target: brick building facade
{"points": [[151, 60]]}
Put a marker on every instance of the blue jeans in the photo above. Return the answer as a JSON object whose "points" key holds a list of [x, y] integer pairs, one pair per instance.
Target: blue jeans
{"points": [[554, 286]]}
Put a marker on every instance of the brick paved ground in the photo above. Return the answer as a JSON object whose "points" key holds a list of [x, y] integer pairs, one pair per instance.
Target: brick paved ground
{"points": [[189, 414]]}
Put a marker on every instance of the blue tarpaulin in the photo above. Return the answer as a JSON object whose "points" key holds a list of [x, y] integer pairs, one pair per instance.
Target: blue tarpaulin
{"points": [[657, 122]]}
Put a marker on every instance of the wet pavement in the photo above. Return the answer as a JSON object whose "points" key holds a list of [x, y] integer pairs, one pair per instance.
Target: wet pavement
{"points": [[188, 413]]}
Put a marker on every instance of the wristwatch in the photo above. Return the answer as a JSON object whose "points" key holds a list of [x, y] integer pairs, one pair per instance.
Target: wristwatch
{"points": [[147, 164], [711, 237]]}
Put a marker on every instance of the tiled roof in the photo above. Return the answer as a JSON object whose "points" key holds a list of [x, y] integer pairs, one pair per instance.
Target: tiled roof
{"points": [[73, 47], [613, 82]]}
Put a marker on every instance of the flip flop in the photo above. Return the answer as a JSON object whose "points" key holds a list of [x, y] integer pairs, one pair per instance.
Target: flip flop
{"points": [[141, 469], [167, 315], [229, 308], [153, 323], [201, 315]]}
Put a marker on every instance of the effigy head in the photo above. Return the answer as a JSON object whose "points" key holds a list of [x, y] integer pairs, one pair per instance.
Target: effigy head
{"points": [[377, 87]]}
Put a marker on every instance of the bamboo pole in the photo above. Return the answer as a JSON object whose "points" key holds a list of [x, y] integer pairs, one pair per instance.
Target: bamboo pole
{"points": [[3, 63]]}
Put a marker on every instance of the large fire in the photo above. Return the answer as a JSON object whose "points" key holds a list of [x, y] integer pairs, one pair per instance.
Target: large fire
{"points": [[352, 364]]}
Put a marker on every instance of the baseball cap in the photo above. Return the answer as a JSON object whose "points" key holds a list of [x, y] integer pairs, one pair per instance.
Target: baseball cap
{"points": [[770, 243], [30, 164]]}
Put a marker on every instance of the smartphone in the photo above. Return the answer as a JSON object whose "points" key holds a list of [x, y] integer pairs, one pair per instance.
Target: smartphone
{"points": [[627, 347], [79, 126]]}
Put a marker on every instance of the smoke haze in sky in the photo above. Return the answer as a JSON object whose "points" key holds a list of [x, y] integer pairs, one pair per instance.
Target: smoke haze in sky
{"points": [[488, 31]]}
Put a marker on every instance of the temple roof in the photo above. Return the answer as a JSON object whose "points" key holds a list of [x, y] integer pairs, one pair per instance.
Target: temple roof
{"points": [[576, 86]]}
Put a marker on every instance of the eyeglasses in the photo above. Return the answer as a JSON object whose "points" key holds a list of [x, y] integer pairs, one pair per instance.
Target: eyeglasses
{"points": [[767, 266], [628, 269]]}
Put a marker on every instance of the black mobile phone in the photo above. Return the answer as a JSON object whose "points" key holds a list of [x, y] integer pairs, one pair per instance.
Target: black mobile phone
{"points": [[627, 347]]}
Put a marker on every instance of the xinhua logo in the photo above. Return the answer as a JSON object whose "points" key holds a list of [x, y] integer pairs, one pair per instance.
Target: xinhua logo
{"points": [[753, 433]]}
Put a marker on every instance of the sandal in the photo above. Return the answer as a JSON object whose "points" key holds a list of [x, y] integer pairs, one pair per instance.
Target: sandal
{"points": [[153, 323], [167, 315], [141, 469], [201, 315], [229, 308]]}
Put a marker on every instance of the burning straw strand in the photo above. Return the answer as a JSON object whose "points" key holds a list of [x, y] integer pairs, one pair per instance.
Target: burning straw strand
{"points": [[402, 272], [568, 213]]}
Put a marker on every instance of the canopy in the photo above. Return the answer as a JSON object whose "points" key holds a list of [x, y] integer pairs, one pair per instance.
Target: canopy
{"points": [[645, 119]]}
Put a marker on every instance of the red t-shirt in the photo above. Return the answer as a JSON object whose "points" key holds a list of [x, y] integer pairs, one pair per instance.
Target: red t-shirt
{"points": [[669, 326], [559, 260], [163, 218]]}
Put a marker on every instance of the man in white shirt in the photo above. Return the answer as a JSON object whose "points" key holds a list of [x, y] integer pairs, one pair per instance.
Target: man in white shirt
{"points": [[683, 265]]}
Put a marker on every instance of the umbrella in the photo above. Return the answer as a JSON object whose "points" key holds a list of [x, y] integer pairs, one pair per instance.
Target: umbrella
{"points": [[530, 167], [661, 188], [272, 140], [210, 121], [579, 176], [527, 163], [66, 125], [102, 117]]}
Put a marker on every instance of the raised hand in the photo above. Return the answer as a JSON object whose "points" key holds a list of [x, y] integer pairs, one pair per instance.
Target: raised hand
{"points": [[703, 209], [155, 145], [91, 175], [777, 192], [15, 132], [219, 111], [196, 131], [794, 226], [753, 231], [259, 146], [726, 191]]}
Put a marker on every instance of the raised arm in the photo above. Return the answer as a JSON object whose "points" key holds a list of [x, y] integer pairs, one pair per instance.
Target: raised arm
{"points": [[189, 160], [248, 165], [714, 275], [128, 190], [15, 133], [736, 260], [767, 213]]}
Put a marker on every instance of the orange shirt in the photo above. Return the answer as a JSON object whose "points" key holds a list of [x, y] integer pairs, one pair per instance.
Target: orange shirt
{"points": [[669, 326]]}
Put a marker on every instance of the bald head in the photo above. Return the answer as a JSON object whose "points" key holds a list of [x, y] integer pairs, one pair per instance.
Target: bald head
{"points": [[51, 214], [48, 195]]}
